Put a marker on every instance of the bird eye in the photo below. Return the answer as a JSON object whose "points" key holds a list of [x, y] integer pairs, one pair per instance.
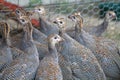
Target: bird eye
{"points": [[55, 37], [73, 17], [61, 22], [17, 11], [39, 9], [22, 20]]}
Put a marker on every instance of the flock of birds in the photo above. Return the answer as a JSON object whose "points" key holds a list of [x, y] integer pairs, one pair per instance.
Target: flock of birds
{"points": [[53, 53]]}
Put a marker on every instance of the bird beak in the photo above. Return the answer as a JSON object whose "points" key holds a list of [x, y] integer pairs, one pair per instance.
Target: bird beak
{"points": [[69, 17], [114, 17], [34, 11]]}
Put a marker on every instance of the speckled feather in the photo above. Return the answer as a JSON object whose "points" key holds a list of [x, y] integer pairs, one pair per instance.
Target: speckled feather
{"points": [[25, 66], [5, 51], [81, 62], [102, 49], [49, 68]]}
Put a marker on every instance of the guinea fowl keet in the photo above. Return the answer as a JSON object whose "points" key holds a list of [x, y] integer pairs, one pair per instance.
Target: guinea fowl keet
{"points": [[38, 37], [45, 26], [25, 66], [101, 28], [49, 68], [54, 51], [5, 51], [22, 12], [105, 50], [81, 63]]}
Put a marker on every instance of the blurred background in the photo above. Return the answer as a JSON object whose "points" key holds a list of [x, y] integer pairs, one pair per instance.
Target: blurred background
{"points": [[93, 12]]}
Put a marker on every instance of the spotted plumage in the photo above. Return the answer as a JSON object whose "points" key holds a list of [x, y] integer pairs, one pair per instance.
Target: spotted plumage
{"points": [[81, 64], [103, 49]]}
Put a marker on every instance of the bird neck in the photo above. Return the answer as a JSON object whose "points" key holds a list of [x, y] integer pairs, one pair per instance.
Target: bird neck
{"points": [[78, 28], [28, 28], [44, 25], [106, 20], [52, 49], [40, 17], [61, 31], [105, 23]]}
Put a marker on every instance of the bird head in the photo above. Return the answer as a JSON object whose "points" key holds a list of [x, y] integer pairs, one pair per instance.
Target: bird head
{"points": [[76, 18], [54, 39], [110, 15], [60, 21], [20, 12], [23, 20], [27, 25], [40, 10]]}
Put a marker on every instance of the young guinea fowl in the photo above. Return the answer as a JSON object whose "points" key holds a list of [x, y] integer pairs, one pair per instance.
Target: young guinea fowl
{"points": [[5, 51], [99, 29], [49, 68], [39, 37], [25, 66], [81, 63], [45, 26], [11, 19], [44, 51], [103, 49]]}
